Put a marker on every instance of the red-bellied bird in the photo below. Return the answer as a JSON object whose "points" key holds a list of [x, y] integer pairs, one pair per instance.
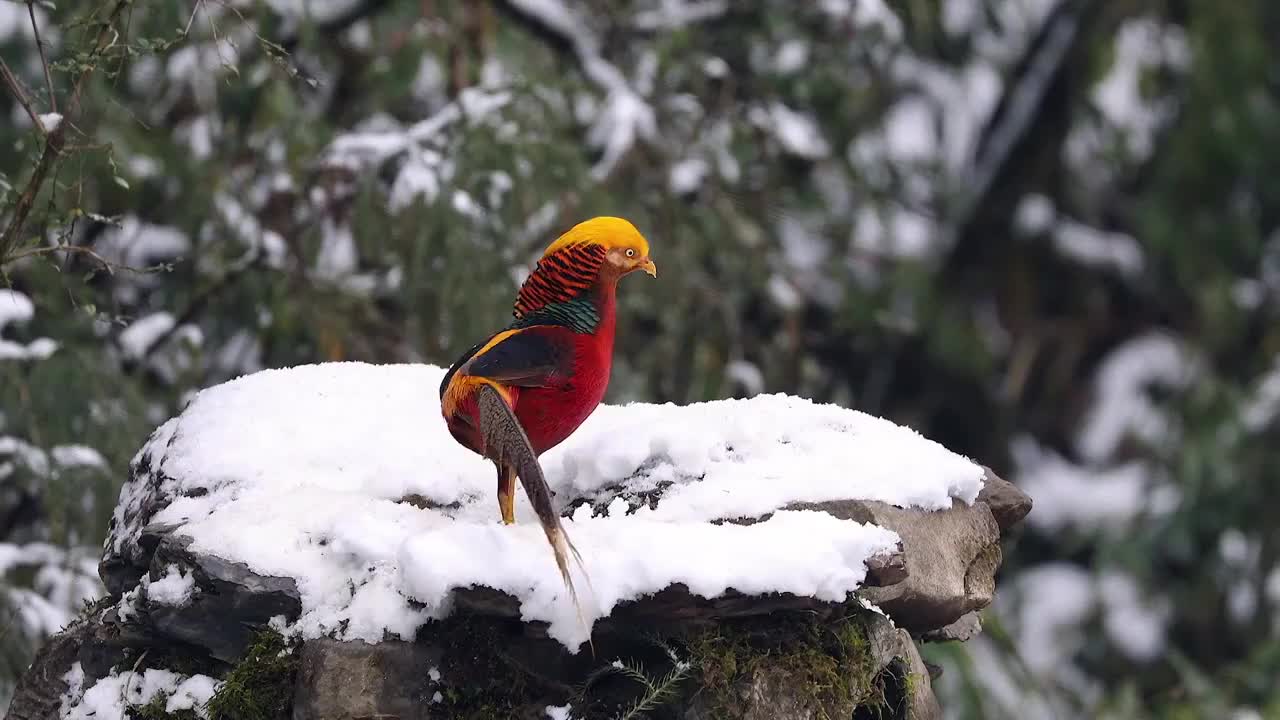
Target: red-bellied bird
{"points": [[524, 389]]}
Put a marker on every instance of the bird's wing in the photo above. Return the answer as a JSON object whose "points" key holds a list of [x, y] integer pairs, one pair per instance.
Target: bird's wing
{"points": [[506, 443], [521, 357]]}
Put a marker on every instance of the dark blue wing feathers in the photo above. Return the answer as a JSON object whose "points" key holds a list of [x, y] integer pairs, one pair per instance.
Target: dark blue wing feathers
{"points": [[531, 357]]}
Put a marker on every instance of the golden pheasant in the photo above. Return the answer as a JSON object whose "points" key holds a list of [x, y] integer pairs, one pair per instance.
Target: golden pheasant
{"points": [[524, 389]]}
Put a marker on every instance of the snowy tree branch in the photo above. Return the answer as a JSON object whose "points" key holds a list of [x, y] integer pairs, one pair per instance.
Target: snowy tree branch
{"points": [[624, 117]]}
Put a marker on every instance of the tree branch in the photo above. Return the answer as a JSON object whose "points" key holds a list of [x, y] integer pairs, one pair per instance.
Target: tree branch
{"points": [[44, 60], [54, 140], [52, 149], [19, 93]]}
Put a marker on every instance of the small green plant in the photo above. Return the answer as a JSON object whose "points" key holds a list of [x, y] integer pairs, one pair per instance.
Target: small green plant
{"points": [[260, 686]]}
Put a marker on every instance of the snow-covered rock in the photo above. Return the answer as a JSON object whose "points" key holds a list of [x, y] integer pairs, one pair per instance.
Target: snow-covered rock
{"points": [[342, 478], [329, 503]]}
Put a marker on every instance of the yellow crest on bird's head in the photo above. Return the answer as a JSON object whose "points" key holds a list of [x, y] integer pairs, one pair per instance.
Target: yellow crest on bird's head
{"points": [[609, 232]]}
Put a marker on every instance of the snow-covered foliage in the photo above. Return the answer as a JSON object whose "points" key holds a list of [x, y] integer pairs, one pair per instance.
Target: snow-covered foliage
{"points": [[118, 695], [307, 473]]}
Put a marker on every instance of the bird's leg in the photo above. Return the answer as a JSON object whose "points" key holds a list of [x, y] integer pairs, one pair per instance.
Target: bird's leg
{"points": [[507, 494]]}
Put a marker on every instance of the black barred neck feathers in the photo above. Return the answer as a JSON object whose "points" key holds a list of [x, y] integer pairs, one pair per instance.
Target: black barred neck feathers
{"points": [[578, 271], [559, 290]]}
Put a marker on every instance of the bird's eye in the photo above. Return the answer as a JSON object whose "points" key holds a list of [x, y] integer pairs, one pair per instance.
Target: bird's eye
{"points": [[631, 252]]}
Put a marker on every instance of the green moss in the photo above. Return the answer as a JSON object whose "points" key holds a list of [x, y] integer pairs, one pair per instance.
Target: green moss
{"points": [[260, 686], [830, 659], [155, 710]]}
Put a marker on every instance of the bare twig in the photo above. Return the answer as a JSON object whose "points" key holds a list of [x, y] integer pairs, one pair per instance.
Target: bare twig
{"points": [[44, 60], [19, 93], [194, 11], [22, 208], [70, 249]]}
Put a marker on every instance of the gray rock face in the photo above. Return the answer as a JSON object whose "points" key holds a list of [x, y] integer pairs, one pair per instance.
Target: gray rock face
{"points": [[968, 626], [952, 557], [228, 603], [1008, 504], [950, 561], [349, 680]]}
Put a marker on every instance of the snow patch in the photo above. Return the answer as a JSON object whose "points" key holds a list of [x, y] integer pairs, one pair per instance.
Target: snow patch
{"points": [[175, 588], [15, 307], [136, 339], [1069, 496], [1122, 406], [558, 712], [112, 697], [50, 121]]}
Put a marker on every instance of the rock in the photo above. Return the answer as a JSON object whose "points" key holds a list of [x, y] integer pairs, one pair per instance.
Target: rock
{"points": [[886, 569], [769, 693], [735, 656], [968, 626], [951, 559], [921, 703], [1008, 504], [230, 601], [351, 680], [40, 689]]}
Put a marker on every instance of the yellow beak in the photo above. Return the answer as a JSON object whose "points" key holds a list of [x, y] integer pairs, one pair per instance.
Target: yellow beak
{"points": [[648, 266]]}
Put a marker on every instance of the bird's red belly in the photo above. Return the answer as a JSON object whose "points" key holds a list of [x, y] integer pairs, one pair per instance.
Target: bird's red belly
{"points": [[549, 415]]}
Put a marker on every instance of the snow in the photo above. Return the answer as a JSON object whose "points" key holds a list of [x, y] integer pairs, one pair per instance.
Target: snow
{"points": [[62, 579], [111, 697], [675, 14], [1054, 599], [15, 307], [50, 121], [37, 349], [137, 244], [1140, 45], [30, 455], [174, 588], [1263, 405], [1133, 623], [558, 712], [324, 452], [784, 293], [136, 339], [746, 374], [1069, 496], [68, 456], [1035, 214], [791, 57], [338, 256], [1092, 247], [687, 175], [624, 117], [909, 131], [797, 132], [1122, 406]]}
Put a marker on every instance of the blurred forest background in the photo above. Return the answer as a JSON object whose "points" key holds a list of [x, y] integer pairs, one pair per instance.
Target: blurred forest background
{"points": [[1041, 232]]}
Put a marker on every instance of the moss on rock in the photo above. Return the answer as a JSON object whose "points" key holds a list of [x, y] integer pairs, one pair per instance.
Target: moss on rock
{"points": [[826, 663], [260, 686]]}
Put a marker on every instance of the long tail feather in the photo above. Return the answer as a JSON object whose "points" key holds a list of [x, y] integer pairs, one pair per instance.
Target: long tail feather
{"points": [[507, 444]]}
